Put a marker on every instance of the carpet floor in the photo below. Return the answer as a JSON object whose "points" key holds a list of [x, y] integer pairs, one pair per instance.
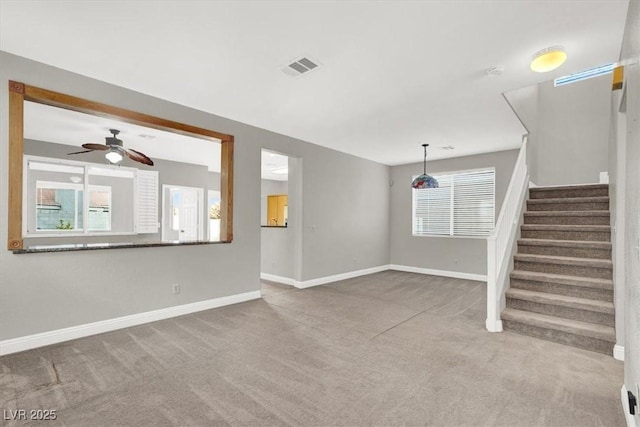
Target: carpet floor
{"points": [[386, 349]]}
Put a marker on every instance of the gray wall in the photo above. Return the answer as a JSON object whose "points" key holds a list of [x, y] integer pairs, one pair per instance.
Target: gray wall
{"points": [[277, 251], [631, 50], [465, 255], [573, 129], [41, 292], [524, 102], [567, 125]]}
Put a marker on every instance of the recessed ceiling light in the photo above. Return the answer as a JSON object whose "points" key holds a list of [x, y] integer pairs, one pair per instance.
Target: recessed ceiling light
{"points": [[446, 147], [548, 59], [146, 136]]}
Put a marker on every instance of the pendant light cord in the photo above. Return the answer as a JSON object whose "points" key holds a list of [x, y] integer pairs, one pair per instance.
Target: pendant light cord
{"points": [[424, 167]]}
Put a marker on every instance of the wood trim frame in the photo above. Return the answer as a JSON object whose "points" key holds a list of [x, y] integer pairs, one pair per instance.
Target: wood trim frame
{"points": [[19, 92]]}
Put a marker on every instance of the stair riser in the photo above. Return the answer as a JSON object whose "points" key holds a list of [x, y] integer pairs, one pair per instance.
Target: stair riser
{"points": [[557, 194], [574, 340], [567, 220], [593, 236], [565, 251], [567, 270], [561, 206], [565, 312], [561, 289]]}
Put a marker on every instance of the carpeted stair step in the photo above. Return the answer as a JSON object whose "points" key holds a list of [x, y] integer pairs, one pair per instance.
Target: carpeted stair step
{"points": [[570, 248], [600, 233], [591, 190], [581, 287], [582, 309], [569, 204], [568, 266], [584, 335], [567, 217]]}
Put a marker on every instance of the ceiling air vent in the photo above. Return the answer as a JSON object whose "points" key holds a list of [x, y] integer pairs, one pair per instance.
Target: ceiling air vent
{"points": [[300, 66]]}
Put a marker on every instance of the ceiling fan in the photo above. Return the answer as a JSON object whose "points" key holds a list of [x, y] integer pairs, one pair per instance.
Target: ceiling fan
{"points": [[115, 150]]}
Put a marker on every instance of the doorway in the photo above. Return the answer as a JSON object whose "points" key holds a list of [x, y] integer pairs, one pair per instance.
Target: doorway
{"points": [[182, 213], [280, 218]]}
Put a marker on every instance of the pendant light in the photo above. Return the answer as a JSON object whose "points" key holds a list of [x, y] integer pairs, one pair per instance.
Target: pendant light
{"points": [[424, 180]]}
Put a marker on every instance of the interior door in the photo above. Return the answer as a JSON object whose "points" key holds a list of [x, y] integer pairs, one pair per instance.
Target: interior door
{"points": [[188, 215]]}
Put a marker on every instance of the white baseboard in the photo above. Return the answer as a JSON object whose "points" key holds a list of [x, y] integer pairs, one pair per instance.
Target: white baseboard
{"points": [[28, 342], [618, 352], [494, 326], [631, 422], [337, 277], [445, 273], [278, 279]]}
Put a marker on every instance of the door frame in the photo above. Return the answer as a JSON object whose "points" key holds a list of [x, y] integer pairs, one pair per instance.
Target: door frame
{"points": [[201, 203]]}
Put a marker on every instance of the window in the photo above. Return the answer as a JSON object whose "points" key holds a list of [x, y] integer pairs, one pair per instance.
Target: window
{"points": [[58, 206], [75, 198], [463, 205]]}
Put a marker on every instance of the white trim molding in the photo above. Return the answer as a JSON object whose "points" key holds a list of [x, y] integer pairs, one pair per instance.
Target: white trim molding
{"points": [[60, 335], [356, 273], [278, 279], [493, 326], [433, 272], [631, 421], [337, 277], [618, 352]]}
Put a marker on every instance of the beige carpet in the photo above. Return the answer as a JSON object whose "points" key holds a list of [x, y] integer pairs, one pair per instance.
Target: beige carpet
{"points": [[385, 349]]}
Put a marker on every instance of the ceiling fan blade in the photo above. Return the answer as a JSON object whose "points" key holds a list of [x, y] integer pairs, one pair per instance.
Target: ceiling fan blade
{"points": [[137, 156], [99, 147], [80, 152]]}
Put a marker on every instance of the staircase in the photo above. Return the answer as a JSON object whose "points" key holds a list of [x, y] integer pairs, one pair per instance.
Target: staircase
{"points": [[561, 285]]}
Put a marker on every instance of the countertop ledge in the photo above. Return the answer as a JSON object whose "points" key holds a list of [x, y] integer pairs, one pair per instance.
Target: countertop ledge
{"points": [[100, 246]]}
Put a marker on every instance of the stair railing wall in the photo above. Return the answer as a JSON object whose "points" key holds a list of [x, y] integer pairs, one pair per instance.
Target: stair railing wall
{"points": [[501, 243]]}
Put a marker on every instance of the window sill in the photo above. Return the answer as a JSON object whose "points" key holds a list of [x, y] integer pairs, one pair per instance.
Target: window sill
{"points": [[100, 246], [440, 236], [273, 226]]}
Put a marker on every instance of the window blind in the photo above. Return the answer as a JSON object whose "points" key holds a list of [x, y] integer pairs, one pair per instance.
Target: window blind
{"points": [[463, 205], [147, 200]]}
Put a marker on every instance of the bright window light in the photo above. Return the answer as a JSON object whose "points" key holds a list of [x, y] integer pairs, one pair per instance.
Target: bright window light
{"points": [[583, 75]]}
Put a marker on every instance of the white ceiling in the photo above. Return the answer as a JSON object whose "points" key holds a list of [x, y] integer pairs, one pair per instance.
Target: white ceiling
{"points": [[393, 75], [272, 161], [61, 126]]}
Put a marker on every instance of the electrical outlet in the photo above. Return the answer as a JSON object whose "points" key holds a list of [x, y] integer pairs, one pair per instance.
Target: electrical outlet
{"points": [[175, 288]]}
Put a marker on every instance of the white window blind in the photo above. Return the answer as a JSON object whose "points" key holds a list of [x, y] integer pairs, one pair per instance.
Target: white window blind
{"points": [[463, 205], [147, 184]]}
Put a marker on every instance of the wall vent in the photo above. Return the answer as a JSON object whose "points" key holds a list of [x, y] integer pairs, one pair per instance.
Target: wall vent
{"points": [[301, 66]]}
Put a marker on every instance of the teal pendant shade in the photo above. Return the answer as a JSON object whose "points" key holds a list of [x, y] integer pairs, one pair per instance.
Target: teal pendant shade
{"points": [[424, 180]]}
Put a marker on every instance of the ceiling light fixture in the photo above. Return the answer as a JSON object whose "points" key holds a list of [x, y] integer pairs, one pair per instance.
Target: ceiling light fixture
{"points": [[424, 180], [548, 59], [113, 156]]}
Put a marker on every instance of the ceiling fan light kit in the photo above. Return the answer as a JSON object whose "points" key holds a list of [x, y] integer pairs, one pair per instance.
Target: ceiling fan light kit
{"points": [[114, 157], [548, 59], [115, 150], [424, 181]]}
